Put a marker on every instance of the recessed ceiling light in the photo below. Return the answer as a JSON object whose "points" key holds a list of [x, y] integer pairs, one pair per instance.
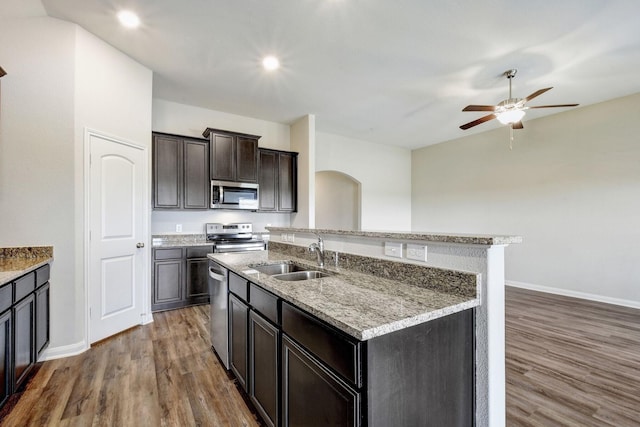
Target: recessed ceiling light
{"points": [[128, 19], [270, 63]]}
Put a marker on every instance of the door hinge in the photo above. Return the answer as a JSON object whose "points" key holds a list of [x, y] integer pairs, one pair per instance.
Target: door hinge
{"points": [[89, 312]]}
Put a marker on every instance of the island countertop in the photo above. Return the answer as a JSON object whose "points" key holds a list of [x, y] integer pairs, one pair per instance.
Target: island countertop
{"points": [[361, 305]]}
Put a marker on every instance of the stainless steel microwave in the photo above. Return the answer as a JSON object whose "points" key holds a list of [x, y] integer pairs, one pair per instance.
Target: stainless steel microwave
{"points": [[234, 195]]}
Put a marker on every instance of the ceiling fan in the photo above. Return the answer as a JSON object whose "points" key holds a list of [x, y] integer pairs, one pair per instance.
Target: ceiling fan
{"points": [[511, 110]]}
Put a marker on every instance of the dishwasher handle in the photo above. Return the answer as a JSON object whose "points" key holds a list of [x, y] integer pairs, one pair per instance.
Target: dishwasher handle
{"points": [[215, 275]]}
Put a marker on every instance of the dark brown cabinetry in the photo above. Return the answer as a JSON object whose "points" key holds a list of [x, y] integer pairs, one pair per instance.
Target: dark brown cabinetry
{"points": [[234, 156], [238, 342], [302, 371], [278, 180], [180, 277], [180, 172], [24, 328]]}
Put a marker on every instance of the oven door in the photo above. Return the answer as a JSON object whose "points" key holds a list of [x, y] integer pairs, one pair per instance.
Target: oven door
{"points": [[234, 195]]}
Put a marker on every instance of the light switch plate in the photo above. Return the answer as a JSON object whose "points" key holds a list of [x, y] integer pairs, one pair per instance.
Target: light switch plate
{"points": [[416, 252], [393, 249]]}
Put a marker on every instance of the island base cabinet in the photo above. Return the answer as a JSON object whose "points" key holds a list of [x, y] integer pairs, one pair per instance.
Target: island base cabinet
{"points": [[238, 339], [5, 356], [263, 367], [312, 395], [24, 339]]}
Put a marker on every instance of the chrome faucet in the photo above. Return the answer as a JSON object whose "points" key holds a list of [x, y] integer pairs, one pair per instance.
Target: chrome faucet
{"points": [[318, 248]]}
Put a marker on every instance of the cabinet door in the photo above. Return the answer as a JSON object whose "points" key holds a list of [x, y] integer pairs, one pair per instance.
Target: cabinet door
{"points": [[246, 159], [24, 339], [311, 394], [287, 191], [263, 367], [268, 179], [42, 319], [222, 157], [167, 172], [238, 340], [5, 356], [196, 174], [197, 278], [167, 281]]}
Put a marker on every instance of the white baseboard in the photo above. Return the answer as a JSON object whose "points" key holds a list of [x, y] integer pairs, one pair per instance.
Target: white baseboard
{"points": [[574, 294], [52, 353]]}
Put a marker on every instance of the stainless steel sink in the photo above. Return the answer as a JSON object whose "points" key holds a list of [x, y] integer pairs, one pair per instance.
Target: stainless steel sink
{"points": [[300, 275], [281, 268]]}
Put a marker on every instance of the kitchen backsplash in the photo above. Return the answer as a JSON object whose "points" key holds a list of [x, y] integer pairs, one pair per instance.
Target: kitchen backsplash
{"points": [[164, 222]]}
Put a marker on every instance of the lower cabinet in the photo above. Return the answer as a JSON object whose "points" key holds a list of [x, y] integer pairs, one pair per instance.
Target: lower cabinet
{"points": [[24, 339], [180, 277], [264, 342], [300, 371], [24, 328], [238, 339], [311, 394], [5, 356]]}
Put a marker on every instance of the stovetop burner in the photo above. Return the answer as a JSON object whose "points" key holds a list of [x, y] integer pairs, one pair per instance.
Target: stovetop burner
{"points": [[233, 237]]}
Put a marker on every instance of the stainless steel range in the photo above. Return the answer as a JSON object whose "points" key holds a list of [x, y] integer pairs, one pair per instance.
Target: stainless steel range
{"points": [[225, 238], [233, 237]]}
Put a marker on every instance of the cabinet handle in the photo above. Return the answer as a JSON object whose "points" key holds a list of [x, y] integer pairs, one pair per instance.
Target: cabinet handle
{"points": [[140, 245]]}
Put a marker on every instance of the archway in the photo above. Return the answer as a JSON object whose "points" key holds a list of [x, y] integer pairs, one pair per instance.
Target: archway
{"points": [[337, 201]]}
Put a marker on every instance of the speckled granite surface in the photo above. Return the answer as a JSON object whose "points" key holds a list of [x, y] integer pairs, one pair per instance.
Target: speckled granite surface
{"points": [[466, 239], [362, 305], [14, 262], [176, 240]]}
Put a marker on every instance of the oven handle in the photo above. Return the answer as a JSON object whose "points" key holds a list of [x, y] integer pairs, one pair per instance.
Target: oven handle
{"points": [[215, 276]]}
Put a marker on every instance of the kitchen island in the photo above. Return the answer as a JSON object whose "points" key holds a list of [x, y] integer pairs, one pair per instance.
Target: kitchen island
{"points": [[393, 346]]}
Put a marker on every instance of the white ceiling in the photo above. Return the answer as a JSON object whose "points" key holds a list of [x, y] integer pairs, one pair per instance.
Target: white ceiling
{"points": [[393, 72]]}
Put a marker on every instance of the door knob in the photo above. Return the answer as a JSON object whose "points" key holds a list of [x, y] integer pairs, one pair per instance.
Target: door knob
{"points": [[140, 245]]}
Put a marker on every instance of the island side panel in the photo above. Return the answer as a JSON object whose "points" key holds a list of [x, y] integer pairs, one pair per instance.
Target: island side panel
{"points": [[423, 375]]}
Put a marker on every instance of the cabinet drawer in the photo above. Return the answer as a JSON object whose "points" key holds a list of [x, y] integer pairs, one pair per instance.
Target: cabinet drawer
{"points": [[238, 285], [264, 302], [172, 253], [6, 298], [328, 345], [42, 275], [199, 251], [24, 286]]}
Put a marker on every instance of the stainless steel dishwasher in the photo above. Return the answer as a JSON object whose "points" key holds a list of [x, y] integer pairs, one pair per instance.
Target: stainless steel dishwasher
{"points": [[219, 323]]}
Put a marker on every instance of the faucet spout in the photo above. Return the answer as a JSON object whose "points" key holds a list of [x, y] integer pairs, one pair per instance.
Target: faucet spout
{"points": [[318, 248]]}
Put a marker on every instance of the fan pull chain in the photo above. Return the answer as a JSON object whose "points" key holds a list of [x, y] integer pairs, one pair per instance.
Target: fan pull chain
{"points": [[511, 139]]}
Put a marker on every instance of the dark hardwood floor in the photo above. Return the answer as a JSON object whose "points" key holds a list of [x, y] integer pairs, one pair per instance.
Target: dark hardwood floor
{"points": [[569, 363]]}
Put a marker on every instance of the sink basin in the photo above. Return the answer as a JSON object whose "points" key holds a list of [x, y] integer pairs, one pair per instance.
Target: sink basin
{"points": [[300, 275], [281, 268]]}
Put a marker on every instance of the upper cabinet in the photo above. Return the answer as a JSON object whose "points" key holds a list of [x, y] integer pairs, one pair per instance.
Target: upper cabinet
{"points": [[277, 180], [234, 156], [180, 172]]}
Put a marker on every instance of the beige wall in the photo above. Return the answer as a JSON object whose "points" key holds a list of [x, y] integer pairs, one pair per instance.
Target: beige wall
{"points": [[337, 201], [383, 171], [571, 187], [60, 80]]}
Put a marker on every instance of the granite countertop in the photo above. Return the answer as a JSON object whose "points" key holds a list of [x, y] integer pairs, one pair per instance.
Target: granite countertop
{"points": [[181, 240], [14, 262], [361, 305], [467, 239]]}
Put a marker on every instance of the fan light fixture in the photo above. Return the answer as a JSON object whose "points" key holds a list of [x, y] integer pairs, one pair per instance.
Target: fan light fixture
{"points": [[509, 117]]}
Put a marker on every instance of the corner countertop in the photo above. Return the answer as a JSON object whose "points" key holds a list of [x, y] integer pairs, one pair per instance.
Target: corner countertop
{"points": [[361, 305], [466, 239], [14, 262]]}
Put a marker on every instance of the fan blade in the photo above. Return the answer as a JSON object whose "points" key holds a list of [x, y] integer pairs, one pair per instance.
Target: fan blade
{"points": [[536, 93], [517, 125], [479, 108], [478, 122], [553, 106]]}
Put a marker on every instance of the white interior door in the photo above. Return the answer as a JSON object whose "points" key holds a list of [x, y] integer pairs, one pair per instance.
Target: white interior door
{"points": [[116, 240]]}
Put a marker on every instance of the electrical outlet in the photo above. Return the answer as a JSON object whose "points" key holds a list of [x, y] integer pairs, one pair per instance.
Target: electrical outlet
{"points": [[283, 237], [292, 238], [417, 252], [178, 228], [393, 249]]}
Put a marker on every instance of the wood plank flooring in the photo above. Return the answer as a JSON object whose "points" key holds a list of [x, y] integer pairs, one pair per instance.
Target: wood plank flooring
{"points": [[161, 374], [569, 363]]}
